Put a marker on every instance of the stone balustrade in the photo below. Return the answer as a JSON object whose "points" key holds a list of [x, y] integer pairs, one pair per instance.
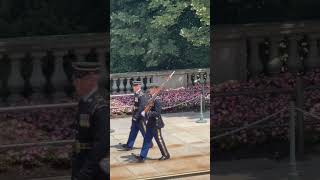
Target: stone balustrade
{"points": [[47, 59], [43, 63], [244, 51], [122, 82]]}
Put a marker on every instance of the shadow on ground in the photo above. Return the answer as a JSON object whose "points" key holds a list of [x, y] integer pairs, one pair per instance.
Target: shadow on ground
{"points": [[264, 169]]}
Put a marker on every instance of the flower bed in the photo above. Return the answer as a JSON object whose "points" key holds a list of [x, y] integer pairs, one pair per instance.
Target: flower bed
{"points": [[57, 124], [236, 111], [173, 100], [35, 126]]}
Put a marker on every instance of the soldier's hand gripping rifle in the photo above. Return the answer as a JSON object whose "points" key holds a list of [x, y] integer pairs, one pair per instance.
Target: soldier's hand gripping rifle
{"points": [[154, 95]]}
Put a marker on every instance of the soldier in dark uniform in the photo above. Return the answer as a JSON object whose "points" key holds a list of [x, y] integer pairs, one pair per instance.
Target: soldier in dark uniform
{"points": [[138, 122], [91, 144], [154, 125]]}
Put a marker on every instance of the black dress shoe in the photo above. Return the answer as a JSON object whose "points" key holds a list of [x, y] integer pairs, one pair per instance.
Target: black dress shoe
{"points": [[125, 147], [164, 158], [139, 158]]}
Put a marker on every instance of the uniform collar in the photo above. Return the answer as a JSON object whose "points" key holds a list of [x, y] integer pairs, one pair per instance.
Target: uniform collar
{"points": [[138, 91], [86, 97]]}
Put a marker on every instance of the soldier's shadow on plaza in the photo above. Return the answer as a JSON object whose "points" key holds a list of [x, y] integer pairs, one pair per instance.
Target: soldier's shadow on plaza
{"points": [[131, 158], [120, 148]]}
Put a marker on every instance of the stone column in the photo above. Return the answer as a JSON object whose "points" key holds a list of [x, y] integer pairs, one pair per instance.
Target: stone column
{"points": [[274, 64], [121, 86], [293, 59], [103, 74], [59, 78], [127, 85], [114, 85], [255, 66], [313, 60], [15, 81], [37, 79], [101, 54]]}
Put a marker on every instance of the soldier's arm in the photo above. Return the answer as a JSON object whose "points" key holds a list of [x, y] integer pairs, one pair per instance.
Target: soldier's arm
{"points": [[91, 166], [142, 103], [157, 110]]}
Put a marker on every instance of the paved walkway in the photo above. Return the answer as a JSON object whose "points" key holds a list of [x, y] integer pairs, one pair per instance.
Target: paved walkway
{"points": [[264, 169], [187, 142]]}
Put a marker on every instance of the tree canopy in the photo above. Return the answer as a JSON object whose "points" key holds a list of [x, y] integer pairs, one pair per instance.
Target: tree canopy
{"points": [[159, 34]]}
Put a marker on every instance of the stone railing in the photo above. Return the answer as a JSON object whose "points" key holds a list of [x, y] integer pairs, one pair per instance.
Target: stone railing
{"points": [[44, 62], [41, 64], [122, 82], [244, 51]]}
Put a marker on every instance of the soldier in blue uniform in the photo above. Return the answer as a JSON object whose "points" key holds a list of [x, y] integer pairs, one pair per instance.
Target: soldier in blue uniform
{"points": [[154, 125], [91, 144], [138, 122]]}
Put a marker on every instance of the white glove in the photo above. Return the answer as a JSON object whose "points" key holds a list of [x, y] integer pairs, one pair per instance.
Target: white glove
{"points": [[143, 114]]}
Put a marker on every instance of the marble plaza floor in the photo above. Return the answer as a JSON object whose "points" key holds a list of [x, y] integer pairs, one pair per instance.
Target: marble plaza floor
{"points": [[187, 141]]}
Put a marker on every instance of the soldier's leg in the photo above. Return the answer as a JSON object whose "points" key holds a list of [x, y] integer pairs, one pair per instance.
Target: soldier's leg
{"points": [[146, 143], [143, 128], [133, 134], [162, 146]]}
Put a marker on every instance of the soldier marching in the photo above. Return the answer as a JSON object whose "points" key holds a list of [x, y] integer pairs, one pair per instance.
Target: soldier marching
{"points": [[154, 125], [138, 122]]}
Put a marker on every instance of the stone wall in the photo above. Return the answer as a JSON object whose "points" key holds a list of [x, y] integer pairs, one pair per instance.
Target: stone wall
{"points": [[120, 82], [56, 49], [236, 52]]}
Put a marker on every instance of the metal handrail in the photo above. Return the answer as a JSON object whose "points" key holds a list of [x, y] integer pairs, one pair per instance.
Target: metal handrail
{"points": [[37, 144], [41, 106], [261, 91], [248, 125], [251, 92]]}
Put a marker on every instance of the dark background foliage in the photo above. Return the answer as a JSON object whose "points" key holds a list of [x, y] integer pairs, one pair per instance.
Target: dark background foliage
{"points": [[51, 17], [258, 11]]}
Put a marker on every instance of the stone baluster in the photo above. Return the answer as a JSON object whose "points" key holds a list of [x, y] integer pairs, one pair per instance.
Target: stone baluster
{"points": [[121, 86], [101, 55], [130, 84], [125, 84], [313, 60], [293, 60], [15, 81], [118, 83], [149, 80], [114, 85], [274, 63], [37, 79], [59, 78], [255, 66], [188, 79], [144, 83]]}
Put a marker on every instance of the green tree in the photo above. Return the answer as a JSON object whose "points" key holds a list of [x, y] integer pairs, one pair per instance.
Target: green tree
{"points": [[146, 35], [170, 10]]}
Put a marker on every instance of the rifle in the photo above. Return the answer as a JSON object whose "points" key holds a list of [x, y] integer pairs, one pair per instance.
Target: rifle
{"points": [[154, 95]]}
